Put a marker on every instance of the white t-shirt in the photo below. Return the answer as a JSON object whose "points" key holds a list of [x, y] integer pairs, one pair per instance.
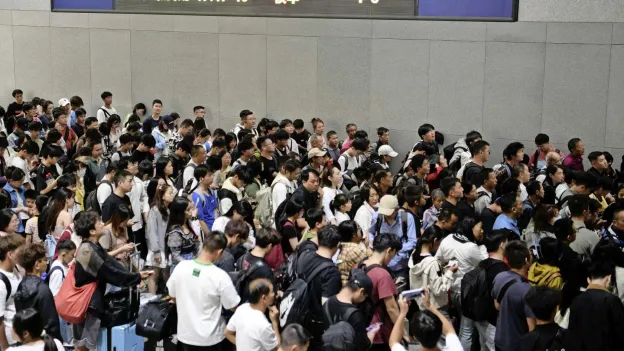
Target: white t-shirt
{"points": [[201, 291], [102, 117], [57, 277], [253, 330], [7, 307], [40, 346], [452, 344], [23, 165], [351, 161], [220, 223]]}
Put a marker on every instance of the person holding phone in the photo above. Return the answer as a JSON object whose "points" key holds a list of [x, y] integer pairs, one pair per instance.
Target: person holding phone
{"points": [[427, 326]]}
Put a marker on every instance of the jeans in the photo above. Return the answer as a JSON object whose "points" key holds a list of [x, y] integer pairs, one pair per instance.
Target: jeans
{"points": [[66, 331], [486, 335]]}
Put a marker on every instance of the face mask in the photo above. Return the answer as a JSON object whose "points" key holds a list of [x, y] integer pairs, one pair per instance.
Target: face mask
{"points": [[82, 172]]}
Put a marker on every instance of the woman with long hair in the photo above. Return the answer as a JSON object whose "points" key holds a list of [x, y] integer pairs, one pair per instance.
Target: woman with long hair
{"points": [[331, 181], [138, 112], [8, 222], [28, 329], [553, 177], [115, 238], [287, 225], [318, 129], [364, 214], [426, 272], [156, 230], [162, 175], [541, 225], [231, 141], [114, 127], [352, 250], [58, 215], [162, 134], [182, 243]]}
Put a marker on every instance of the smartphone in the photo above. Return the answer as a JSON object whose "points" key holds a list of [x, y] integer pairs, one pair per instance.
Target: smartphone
{"points": [[412, 294], [373, 327]]}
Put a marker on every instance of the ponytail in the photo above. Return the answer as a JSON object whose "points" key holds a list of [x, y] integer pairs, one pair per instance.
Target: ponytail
{"points": [[430, 235], [338, 201], [49, 344]]}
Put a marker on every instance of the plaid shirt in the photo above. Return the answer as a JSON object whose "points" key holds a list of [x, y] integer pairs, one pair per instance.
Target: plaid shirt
{"points": [[430, 217], [350, 254]]}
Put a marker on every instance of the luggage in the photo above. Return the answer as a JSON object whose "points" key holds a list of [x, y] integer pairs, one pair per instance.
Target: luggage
{"points": [[157, 320], [120, 338]]}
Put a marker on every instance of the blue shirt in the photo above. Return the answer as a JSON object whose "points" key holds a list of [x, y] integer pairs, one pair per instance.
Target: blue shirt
{"points": [[14, 203], [72, 119], [206, 206], [504, 222], [397, 229]]}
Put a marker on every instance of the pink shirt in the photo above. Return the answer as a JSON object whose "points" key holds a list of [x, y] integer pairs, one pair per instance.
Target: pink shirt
{"points": [[574, 163], [346, 145]]}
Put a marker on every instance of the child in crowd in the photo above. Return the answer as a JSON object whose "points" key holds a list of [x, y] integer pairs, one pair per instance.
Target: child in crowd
{"points": [[204, 198], [431, 214], [341, 205], [32, 224]]}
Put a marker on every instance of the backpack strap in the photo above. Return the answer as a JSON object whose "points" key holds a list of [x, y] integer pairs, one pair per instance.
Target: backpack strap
{"points": [[109, 184], [553, 277], [7, 283], [535, 157], [54, 269], [504, 289], [318, 270], [378, 224]]}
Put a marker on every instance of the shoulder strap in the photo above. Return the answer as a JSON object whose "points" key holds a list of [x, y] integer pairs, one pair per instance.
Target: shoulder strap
{"points": [[7, 283], [54, 269], [504, 289], [403, 214], [105, 112], [378, 224], [318, 270], [553, 277], [109, 184]]}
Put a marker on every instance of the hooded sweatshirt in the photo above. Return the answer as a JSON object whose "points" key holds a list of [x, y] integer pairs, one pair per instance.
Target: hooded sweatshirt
{"points": [[33, 292], [429, 273], [545, 275], [228, 194], [459, 153]]}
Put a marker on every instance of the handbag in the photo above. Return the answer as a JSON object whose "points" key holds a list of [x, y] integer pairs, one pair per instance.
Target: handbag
{"points": [[119, 308], [72, 302], [157, 320]]}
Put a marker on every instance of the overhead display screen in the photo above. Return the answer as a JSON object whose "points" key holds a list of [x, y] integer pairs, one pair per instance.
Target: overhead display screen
{"points": [[477, 10]]}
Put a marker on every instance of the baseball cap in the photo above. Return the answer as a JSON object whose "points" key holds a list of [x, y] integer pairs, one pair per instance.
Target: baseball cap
{"points": [[168, 121], [63, 102], [23, 123], [316, 152], [359, 277], [388, 204], [386, 150]]}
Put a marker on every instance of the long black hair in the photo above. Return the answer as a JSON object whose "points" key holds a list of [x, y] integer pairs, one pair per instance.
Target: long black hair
{"points": [[430, 235], [244, 209], [30, 321], [177, 213]]}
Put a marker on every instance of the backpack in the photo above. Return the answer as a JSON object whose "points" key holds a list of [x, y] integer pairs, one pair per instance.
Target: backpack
{"points": [[106, 114], [503, 172], [295, 304], [92, 203], [7, 284], [456, 164], [476, 301], [340, 336], [54, 269], [179, 181], [348, 181], [264, 207], [242, 276]]}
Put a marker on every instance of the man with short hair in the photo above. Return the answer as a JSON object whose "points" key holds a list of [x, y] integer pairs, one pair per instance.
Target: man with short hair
{"points": [[512, 209], [282, 147], [198, 157], [383, 134], [201, 291], [583, 183], [586, 240], [384, 292], [138, 201], [515, 318], [386, 154], [547, 335], [248, 121], [269, 163], [350, 159], [462, 150], [309, 192], [124, 181], [284, 183], [232, 189], [453, 192], [521, 172], [21, 126], [107, 110], [536, 194], [333, 148], [185, 128], [152, 121], [416, 172], [79, 124], [22, 158], [350, 129], [266, 239], [325, 284], [486, 186], [245, 149], [574, 160], [513, 154], [248, 328], [143, 151], [538, 160], [126, 143], [294, 338], [47, 174], [199, 112], [599, 164], [16, 108], [30, 112], [480, 151]]}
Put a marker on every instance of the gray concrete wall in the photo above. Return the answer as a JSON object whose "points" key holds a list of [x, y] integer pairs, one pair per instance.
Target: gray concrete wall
{"points": [[508, 80]]}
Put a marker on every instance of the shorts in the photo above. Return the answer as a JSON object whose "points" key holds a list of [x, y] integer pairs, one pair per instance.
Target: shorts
{"points": [[151, 263], [86, 333]]}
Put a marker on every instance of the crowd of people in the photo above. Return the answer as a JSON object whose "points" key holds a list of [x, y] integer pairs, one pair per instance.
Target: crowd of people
{"points": [[271, 237]]}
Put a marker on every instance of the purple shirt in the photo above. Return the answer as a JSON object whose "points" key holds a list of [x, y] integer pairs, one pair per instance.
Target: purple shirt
{"points": [[574, 163]]}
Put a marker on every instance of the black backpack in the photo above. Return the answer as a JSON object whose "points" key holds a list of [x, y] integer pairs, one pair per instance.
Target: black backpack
{"points": [[450, 151], [179, 181], [340, 336], [91, 203], [295, 304], [157, 320], [7, 284], [476, 300], [241, 277], [356, 202]]}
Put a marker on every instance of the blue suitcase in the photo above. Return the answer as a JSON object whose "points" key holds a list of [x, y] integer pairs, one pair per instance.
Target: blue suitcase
{"points": [[121, 338]]}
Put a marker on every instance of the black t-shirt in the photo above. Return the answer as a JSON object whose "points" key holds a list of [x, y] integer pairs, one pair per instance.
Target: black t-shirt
{"points": [[471, 172], [494, 267], [14, 109], [326, 284], [288, 232], [449, 205], [178, 164], [301, 139], [45, 175], [150, 123], [112, 203], [263, 272], [78, 129], [464, 209], [357, 320], [268, 168], [541, 338]]}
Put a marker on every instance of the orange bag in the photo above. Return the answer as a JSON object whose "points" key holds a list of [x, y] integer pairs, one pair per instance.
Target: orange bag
{"points": [[72, 302]]}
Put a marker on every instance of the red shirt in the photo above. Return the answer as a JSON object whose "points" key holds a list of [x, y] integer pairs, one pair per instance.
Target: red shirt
{"points": [[383, 286], [573, 163], [65, 235]]}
